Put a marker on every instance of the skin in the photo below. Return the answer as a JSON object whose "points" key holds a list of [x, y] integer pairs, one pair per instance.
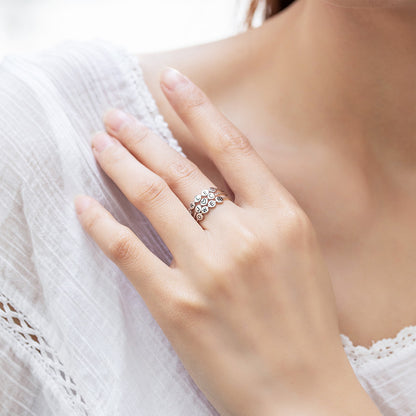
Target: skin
{"points": [[253, 300], [324, 132], [325, 92]]}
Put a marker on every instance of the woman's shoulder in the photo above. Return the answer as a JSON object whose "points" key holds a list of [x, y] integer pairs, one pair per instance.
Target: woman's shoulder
{"points": [[52, 100], [63, 85], [208, 65]]}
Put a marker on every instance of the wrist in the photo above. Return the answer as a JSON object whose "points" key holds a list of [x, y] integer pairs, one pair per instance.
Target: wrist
{"points": [[351, 404], [342, 395], [353, 400]]}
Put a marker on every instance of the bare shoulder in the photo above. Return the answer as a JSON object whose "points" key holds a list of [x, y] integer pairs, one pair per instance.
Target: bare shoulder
{"points": [[186, 60], [208, 65]]}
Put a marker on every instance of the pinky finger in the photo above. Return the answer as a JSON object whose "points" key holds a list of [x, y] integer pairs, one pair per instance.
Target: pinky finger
{"points": [[144, 269]]}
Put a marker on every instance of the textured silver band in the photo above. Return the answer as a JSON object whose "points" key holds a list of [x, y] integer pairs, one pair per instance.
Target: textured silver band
{"points": [[205, 201]]}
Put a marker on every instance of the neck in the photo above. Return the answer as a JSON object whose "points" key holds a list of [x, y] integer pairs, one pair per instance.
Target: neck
{"points": [[345, 70]]}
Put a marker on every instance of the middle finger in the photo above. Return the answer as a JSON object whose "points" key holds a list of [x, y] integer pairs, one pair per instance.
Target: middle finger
{"points": [[149, 193], [180, 173]]}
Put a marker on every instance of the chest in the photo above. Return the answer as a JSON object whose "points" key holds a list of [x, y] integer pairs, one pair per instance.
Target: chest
{"points": [[367, 240]]}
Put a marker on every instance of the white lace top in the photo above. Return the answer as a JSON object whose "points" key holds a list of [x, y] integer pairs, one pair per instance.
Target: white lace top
{"points": [[75, 337]]}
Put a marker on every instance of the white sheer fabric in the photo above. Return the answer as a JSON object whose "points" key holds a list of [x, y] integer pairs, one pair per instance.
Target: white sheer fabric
{"points": [[75, 337]]}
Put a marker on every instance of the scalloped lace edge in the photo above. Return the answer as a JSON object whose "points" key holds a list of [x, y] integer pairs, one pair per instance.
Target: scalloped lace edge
{"points": [[381, 349], [150, 103]]}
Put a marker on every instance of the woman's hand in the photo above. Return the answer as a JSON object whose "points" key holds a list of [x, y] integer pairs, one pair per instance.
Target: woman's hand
{"points": [[247, 302]]}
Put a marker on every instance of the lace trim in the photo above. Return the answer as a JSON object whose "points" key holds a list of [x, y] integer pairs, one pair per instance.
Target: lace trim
{"points": [[151, 106], [16, 324], [381, 349]]}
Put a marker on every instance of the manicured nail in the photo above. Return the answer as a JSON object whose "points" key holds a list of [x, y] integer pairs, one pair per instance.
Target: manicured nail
{"points": [[101, 140], [115, 118], [172, 78], [81, 203]]}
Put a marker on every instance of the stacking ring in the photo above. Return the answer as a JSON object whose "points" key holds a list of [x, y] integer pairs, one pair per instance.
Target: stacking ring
{"points": [[206, 201]]}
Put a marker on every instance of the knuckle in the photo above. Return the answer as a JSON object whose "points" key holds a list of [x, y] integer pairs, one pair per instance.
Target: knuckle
{"points": [[220, 285], [122, 247], [249, 250], [222, 273], [297, 228], [219, 277], [229, 138], [250, 246], [151, 192], [190, 305], [186, 311], [183, 170]]}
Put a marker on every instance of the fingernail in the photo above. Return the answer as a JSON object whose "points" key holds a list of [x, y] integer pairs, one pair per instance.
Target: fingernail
{"points": [[172, 78], [81, 203], [101, 140], [115, 118]]}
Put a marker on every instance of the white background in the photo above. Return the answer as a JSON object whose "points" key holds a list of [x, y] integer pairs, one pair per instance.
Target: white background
{"points": [[138, 25]]}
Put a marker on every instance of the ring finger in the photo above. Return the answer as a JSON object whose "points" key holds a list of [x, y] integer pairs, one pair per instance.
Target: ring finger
{"points": [[180, 173], [149, 193]]}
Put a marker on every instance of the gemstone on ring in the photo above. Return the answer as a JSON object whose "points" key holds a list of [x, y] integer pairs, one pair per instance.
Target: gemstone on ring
{"points": [[206, 199]]}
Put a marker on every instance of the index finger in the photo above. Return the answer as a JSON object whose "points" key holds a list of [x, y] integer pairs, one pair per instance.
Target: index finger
{"points": [[241, 166]]}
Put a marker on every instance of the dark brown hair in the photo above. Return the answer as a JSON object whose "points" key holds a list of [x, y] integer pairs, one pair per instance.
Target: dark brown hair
{"points": [[271, 7]]}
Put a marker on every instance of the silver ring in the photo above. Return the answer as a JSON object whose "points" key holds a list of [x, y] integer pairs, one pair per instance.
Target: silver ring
{"points": [[205, 201]]}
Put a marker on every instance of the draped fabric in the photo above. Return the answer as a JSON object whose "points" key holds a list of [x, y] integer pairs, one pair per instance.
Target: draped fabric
{"points": [[75, 336]]}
